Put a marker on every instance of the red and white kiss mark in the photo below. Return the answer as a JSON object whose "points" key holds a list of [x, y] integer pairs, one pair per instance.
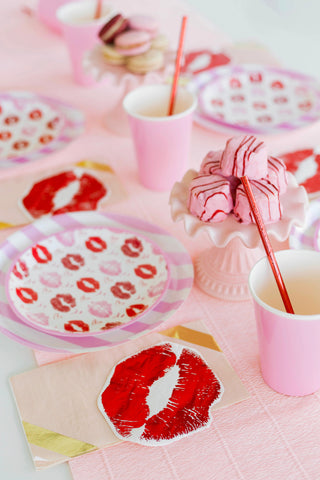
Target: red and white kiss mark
{"points": [[67, 191], [202, 60], [160, 394], [305, 166]]}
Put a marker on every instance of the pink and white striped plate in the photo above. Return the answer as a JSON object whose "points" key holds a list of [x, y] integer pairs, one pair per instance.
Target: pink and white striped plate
{"points": [[178, 288], [255, 99], [32, 126]]}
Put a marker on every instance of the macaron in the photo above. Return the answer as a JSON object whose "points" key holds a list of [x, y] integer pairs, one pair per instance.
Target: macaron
{"points": [[146, 62], [144, 23], [111, 55], [160, 42], [132, 42], [112, 28]]}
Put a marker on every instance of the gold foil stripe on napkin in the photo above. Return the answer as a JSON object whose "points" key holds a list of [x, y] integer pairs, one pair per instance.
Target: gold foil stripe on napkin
{"points": [[67, 446], [94, 166], [192, 336], [5, 225]]}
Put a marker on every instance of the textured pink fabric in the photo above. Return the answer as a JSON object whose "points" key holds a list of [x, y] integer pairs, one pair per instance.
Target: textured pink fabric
{"points": [[269, 436]]}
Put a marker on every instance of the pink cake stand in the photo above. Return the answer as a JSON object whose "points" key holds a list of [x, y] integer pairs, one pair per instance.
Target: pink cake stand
{"points": [[222, 270], [94, 63]]}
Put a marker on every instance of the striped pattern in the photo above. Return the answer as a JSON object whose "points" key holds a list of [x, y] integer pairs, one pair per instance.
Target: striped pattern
{"points": [[74, 125], [180, 270]]}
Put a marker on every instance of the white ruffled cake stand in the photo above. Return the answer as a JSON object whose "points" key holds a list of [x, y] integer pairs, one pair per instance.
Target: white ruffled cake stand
{"points": [[222, 270], [94, 64]]}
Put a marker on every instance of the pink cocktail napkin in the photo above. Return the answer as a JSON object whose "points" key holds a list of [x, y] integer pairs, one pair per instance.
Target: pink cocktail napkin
{"points": [[58, 406]]}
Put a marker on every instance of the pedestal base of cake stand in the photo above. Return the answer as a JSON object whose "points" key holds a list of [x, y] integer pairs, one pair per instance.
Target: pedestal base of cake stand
{"points": [[223, 272]]}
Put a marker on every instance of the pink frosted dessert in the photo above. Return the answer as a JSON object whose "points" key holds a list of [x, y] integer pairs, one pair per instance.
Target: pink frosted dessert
{"points": [[267, 198], [211, 163], [244, 155], [277, 174], [210, 198]]}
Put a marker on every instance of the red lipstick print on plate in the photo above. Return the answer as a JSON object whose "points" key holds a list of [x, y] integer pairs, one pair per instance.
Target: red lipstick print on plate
{"points": [[67, 191], [132, 247], [83, 275], [63, 302], [160, 395]]}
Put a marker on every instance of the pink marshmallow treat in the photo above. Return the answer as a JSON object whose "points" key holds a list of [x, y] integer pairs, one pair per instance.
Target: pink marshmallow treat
{"points": [[267, 198], [277, 174], [144, 23], [244, 155], [211, 163], [210, 198]]}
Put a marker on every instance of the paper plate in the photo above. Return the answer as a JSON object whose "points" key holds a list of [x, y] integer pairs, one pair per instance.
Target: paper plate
{"points": [[87, 280], [174, 293], [308, 236], [32, 126], [255, 99]]}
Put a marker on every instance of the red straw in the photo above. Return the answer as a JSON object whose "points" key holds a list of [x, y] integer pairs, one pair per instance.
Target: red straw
{"points": [[98, 9], [177, 67], [267, 245]]}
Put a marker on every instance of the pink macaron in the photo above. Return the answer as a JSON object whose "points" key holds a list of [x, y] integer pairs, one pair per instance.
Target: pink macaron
{"points": [[132, 42], [144, 23]]}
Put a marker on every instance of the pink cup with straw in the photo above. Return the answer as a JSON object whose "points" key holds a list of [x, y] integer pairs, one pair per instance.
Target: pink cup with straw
{"points": [[80, 30], [161, 141], [289, 344]]}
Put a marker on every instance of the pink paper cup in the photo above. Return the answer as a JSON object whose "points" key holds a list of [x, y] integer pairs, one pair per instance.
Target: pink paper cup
{"points": [[289, 344], [161, 141], [46, 11], [80, 30]]}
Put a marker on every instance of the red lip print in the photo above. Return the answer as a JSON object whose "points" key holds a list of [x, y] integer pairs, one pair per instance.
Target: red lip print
{"points": [[136, 309], [295, 160], [45, 139], [76, 326], [20, 145], [280, 100], [40, 199], [53, 123], [88, 284], [27, 295], [259, 105], [264, 119], [11, 120], [305, 106], [145, 271], [96, 244], [132, 247], [277, 85], [255, 77], [237, 98], [123, 290], [35, 114], [217, 102], [63, 302], [72, 261], [125, 399], [5, 135], [235, 83], [41, 254], [202, 60], [20, 270]]}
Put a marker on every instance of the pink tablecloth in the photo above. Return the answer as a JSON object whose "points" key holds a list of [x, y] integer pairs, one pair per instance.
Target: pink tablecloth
{"points": [[269, 436]]}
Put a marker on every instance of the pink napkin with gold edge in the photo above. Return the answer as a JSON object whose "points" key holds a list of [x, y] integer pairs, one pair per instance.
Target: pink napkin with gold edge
{"points": [[57, 403], [85, 185]]}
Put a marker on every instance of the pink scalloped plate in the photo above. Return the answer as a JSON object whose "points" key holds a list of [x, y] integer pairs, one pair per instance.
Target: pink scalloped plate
{"points": [[255, 99], [32, 126], [87, 280]]}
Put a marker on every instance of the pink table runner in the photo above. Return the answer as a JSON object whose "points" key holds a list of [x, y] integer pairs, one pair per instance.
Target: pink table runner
{"points": [[269, 436]]}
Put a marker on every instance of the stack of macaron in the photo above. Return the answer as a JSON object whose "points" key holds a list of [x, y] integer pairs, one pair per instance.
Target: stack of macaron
{"points": [[217, 190], [133, 42]]}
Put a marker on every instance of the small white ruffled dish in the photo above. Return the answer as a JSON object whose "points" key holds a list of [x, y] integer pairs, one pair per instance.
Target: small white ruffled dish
{"points": [[222, 270]]}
